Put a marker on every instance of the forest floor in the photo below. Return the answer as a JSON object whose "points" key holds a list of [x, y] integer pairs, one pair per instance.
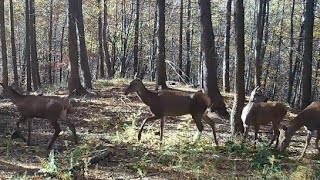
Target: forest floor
{"points": [[109, 123]]}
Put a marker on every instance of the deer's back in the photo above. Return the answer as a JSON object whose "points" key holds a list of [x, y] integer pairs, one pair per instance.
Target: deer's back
{"points": [[309, 117]]}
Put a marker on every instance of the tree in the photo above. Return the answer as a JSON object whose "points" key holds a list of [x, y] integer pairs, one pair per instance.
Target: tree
{"points": [[211, 58], [13, 47], [291, 77], [50, 44], [226, 81], [136, 40], [188, 40], [161, 66], [236, 123], [259, 34], [3, 45], [307, 54], [100, 31], [27, 45], [74, 84], [180, 41], [33, 45], [105, 40], [83, 49]]}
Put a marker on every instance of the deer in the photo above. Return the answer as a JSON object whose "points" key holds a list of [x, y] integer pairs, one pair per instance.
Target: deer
{"points": [[308, 117], [260, 112], [172, 102], [51, 108]]}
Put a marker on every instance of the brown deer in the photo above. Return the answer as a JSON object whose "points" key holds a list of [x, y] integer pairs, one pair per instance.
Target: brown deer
{"points": [[46, 107], [173, 103], [310, 118], [259, 112]]}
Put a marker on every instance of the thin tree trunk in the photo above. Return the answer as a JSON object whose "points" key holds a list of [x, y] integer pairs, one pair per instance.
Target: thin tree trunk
{"points": [[161, 65], [226, 81], [105, 39], [83, 49], [180, 41], [13, 47], [3, 45], [188, 40], [27, 45], [50, 43], [61, 48], [100, 39], [236, 123], [136, 40], [33, 45]]}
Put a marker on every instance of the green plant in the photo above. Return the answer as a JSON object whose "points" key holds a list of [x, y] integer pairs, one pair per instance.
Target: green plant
{"points": [[236, 147], [266, 160], [20, 177], [50, 166]]}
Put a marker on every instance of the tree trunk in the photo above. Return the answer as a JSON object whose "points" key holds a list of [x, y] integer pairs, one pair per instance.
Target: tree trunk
{"points": [[161, 66], [50, 43], [136, 40], [13, 47], [307, 54], [100, 39], [291, 78], [211, 59], [83, 49], [61, 48], [188, 40], [105, 39], [258, 58], [236, 123], [74, 84], [33, 46], [180, 42], [3, 45], [226, 81], [27, 45]]}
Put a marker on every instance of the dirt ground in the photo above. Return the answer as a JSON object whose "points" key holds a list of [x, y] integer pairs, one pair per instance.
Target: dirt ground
{"points": [[109, 123]]}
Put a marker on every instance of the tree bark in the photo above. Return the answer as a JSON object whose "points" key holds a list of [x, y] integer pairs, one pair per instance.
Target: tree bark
{"points": [[188, 40], [13, 47], [161, 66], [226, 81], [33, 45], [258, 58], [211, 58], [136, 40], [27, 45], [307, 54], [180, 42], [3, 45], [83, 49], [291, 78], [74, 84], [236, 123], [105, 40], [100, 39], [50, 44]]}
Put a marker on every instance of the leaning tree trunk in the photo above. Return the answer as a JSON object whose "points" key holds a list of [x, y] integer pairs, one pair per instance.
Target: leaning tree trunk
{"points": [[307, 54], [13, 47], [83, 49], [161, 66], [74, 84], [3, 45], [236, 123], [211, 59]]}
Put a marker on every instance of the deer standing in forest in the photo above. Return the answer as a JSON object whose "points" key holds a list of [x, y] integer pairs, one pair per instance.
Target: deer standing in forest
{"points": [[51, 108]]}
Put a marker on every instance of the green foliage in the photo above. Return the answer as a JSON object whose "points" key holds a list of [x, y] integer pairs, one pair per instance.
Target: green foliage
{"points": [[50, 167], [20, 177], [236, 147], [266, 160]]}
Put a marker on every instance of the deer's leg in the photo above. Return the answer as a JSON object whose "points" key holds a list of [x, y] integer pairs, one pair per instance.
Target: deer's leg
{"points": [[20, 120], [275, 135], [197, 120], [72, 128], [245, 131], [17, 133], [317, 141], [57, 130], [144, 122], [30, 121], [161, 128], [213, 127], [309, 136], [256, 131]]}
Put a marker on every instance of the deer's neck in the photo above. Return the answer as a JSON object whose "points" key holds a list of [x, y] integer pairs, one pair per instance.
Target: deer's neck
{"points": [[146, 96], [16, 98], [295, 125]]}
